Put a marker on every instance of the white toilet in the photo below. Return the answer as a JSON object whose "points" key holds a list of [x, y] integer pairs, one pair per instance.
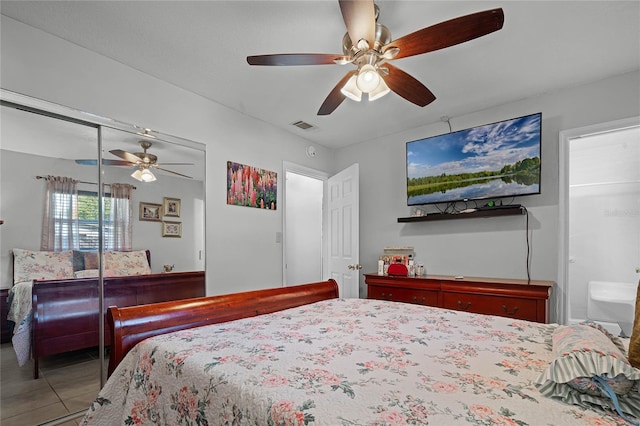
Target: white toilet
{"points": [[612, 302]]}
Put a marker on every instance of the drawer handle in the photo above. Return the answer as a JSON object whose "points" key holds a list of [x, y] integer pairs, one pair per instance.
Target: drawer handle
{"points": [[467, 306], [515, 309]]}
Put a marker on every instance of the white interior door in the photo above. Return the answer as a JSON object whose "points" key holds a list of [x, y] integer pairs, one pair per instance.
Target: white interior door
{"points": [[343, 228]]}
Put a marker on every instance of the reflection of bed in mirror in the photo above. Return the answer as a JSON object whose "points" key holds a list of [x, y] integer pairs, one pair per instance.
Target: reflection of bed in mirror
{"points": [[55, 305], [302, 355]]}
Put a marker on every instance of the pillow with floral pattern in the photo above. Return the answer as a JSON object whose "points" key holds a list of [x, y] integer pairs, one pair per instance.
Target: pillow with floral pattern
{"points": [[31, 265], [130, 262]]}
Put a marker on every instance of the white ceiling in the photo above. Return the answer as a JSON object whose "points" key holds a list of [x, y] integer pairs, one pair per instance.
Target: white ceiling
{"points": [[202, 46]]}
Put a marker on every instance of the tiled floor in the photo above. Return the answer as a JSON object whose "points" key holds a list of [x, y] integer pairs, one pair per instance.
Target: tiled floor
{"points": [[68, 383]]}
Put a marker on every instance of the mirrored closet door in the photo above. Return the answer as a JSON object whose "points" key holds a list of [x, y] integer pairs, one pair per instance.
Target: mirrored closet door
{"points": [[76, 192]]}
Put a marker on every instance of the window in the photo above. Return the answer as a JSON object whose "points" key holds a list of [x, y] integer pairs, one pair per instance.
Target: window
{"points": [[88, 221], [63, 225], [72, 218]]}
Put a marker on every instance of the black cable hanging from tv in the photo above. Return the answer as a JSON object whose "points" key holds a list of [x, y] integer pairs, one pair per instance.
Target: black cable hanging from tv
{"points": [[447, 120]]}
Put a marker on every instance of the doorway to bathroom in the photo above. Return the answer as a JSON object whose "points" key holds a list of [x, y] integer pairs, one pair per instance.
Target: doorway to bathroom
{"points": [[600, 205]]}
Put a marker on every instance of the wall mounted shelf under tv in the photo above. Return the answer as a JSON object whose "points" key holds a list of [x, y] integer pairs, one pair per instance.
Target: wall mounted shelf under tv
{"points": [[498, 211]]}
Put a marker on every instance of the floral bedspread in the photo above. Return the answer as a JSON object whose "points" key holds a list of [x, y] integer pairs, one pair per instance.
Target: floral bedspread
{"points": [[342, 362], [19, 301]]}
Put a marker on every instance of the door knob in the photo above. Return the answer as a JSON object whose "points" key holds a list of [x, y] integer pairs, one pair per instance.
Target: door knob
{"points": [[355, 267]]}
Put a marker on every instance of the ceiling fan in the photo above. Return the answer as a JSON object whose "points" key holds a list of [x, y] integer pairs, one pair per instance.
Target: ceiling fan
{"points": [[368, 45], [142, 161]]}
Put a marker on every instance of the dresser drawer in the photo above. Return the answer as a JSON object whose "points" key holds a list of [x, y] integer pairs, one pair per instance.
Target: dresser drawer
{"points": [[512, 307], [396, 294]]}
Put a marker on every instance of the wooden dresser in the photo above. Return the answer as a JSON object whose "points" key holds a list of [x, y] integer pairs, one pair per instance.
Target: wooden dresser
{"points": [[513, 298]]}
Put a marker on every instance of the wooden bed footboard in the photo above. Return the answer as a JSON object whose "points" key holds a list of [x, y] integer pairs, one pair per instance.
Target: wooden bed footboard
{"points": [[130, 325], [65, 312]]}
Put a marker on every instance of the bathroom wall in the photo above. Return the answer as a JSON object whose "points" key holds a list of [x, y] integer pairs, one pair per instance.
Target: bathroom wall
{"points": [[604, 213]]}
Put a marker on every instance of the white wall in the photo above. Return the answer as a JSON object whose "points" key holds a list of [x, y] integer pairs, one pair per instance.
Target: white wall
{"points": [[241, 250], [492, 247]]}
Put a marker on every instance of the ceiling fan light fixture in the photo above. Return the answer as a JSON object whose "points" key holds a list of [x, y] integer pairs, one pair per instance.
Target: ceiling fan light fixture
{"points": [[379, 91], [368, 78], [143, 175], [351, 91], [147, 176], [137, 175]]}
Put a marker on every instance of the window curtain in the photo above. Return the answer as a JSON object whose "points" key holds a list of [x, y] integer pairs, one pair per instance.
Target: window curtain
{"points": [[60, 219], [120, 218]]}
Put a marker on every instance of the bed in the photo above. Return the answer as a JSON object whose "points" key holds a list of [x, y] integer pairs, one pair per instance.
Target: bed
{"points": [[302, 355], [54, 302]]}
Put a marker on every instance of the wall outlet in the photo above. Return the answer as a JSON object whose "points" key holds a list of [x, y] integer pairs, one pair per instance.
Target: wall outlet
{"points": [[278, 237]]}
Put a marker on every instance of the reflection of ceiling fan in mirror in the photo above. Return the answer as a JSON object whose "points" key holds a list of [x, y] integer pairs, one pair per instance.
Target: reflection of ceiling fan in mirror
{"points": [[142, 161]]}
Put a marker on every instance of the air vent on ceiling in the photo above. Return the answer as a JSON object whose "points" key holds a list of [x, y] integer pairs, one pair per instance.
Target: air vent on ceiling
{"points": [[303, 125]]}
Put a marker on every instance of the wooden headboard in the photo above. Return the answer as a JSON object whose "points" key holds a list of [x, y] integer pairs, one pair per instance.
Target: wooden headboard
{"points": [[130, 325]]}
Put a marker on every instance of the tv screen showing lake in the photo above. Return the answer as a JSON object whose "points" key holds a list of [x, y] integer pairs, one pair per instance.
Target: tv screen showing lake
{"points": [[492, 161]]}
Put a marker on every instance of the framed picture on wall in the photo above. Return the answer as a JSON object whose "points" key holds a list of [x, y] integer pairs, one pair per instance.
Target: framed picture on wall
{"points": [[251, 186], [172, 229], [150, 211], [171, 207]]}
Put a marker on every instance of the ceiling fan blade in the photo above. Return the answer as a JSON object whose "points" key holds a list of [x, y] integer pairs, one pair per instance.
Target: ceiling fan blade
{"points": [[287, 59], [360, 19], [105, 162], [448, 33], [174, 164], [408, 87], [126, 155], [175, 173], [335, 97]]}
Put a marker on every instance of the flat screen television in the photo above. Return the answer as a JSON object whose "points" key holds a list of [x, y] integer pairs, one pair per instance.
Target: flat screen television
{"points": [[492, 161]]}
